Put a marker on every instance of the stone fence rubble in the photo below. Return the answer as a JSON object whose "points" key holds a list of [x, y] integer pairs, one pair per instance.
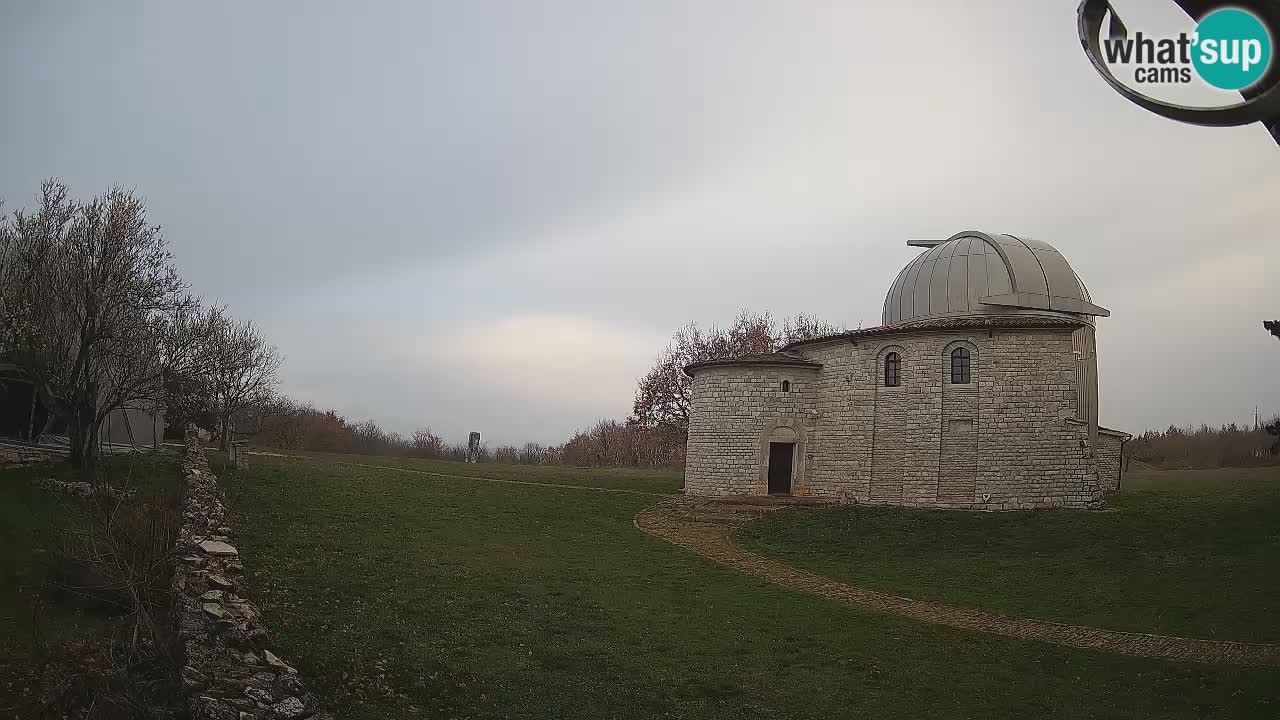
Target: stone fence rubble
{"points": [[230, 672]]}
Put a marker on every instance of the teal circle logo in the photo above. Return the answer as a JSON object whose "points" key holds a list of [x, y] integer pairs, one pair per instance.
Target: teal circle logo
{"points": [[1232, 49]]}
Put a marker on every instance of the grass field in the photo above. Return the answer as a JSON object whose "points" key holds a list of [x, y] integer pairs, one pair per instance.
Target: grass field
{"points": [[407, 595], [652, 481], [56, 658], [29, 522], [1193, 553], [31, 519]]}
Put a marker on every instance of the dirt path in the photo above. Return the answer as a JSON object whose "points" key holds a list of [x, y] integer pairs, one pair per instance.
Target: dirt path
{"points": [[707, 533]]}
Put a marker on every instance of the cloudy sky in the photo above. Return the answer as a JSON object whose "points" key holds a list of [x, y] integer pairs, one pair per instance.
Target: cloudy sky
{"points": [[491, 216]]}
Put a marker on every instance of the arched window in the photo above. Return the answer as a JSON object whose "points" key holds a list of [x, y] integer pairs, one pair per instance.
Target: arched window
{"points": [[892, 370], [960, 366], [786, 386]]}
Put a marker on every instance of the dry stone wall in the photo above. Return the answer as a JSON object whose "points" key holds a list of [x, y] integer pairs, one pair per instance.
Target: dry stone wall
{"points": [[1007, 440], [231, 671]]}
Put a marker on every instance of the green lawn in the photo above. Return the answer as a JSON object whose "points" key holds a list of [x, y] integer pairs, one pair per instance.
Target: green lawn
{"points": [[56, 654], [1190, 552], [653, 481], [30, 521], [406, 595]]}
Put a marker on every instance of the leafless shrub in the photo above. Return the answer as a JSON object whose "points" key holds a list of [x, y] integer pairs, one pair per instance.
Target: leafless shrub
{"points": [[532, 454], [610, 443], [116, 556], [427, 444], [123, 553], [457, 453], [368, 438], [290, 425]]}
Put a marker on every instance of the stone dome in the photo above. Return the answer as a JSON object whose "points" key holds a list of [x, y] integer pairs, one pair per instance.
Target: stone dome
{"points": [[976, 274]]}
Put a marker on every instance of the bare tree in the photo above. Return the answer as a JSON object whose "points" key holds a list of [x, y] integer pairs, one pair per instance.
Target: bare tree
{"points": [[189, 365], [243, 372], [88, 293], [427, 444], [662, 395], [532, 454], [806, 327]]}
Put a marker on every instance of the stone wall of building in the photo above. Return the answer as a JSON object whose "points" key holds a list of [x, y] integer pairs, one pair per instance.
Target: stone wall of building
{"points": [[958, 454], [1004, 441], [1031, 456], [1110, 457], [734, 408]]}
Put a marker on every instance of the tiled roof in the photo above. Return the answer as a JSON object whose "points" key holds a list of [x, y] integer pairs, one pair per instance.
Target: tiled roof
{"points": [[957, 323], [783, 357], [762, 359]]}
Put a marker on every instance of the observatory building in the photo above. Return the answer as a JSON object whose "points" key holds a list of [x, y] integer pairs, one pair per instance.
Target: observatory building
{"points": [[979, 391]]}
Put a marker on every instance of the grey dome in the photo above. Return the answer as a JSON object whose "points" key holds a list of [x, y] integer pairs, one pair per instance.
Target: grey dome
{"points": [[975, 274]]}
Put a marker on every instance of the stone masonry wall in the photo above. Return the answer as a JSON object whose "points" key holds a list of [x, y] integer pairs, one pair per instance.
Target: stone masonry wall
{"points": [[958, 455], [733, 406], [1031, 455], [1001, 442], [231, 672], [1110, 445]]}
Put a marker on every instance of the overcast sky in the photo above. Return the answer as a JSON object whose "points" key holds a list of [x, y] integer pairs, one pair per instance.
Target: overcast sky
{"points": [[490, 216]]}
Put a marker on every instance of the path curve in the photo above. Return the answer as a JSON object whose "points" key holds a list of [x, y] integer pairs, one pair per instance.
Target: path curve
{"points": [[673, 522]]}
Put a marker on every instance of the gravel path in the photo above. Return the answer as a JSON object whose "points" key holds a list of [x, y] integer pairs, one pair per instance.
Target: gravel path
{"points": [[708, 534]]}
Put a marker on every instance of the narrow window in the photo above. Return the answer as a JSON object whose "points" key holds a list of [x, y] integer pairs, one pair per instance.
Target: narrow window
{"points": [[786, 386], [960, 366], [892, 366]]}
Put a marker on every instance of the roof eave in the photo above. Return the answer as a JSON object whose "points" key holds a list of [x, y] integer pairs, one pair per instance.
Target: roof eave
{"points": [[995, 322], [692, 368]]}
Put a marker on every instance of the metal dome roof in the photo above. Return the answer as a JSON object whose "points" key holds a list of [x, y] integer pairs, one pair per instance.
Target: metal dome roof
{"points": [[975, 273]]}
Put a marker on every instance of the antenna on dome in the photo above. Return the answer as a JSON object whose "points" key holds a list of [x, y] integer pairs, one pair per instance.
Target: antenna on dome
{"points": [[924, 243]]}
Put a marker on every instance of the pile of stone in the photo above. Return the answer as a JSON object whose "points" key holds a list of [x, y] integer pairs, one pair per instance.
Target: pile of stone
{"points": [[230, 671], [21, 457], [78, 488]]}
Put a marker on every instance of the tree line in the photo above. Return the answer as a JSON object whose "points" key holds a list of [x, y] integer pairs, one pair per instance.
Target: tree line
{"points": [[1230, 445], [291, 425], [95, 314]]}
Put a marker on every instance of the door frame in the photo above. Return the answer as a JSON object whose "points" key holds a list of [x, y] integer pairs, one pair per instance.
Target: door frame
{"points": [[788, 430], [791, 470]]}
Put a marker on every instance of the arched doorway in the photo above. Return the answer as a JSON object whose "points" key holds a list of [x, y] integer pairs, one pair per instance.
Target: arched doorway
{"points": [[782, 453]]}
